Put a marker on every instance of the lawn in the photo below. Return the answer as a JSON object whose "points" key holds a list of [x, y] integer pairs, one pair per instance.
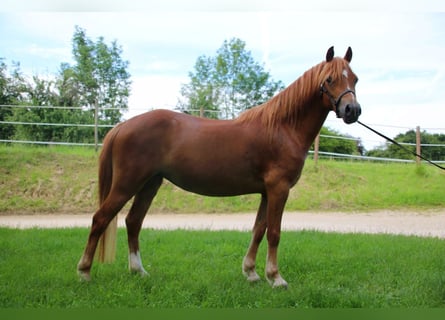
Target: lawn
{"points": [[202, 269]]}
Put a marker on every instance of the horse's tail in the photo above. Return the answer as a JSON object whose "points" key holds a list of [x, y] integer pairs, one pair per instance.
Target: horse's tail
{"points": [[107, 243]]}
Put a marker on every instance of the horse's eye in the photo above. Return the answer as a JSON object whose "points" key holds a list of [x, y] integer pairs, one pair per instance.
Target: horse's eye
{"points": [[329, 80]]}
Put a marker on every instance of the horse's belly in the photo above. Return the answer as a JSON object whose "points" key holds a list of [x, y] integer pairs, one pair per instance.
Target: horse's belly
{"points": [[216, 185]]}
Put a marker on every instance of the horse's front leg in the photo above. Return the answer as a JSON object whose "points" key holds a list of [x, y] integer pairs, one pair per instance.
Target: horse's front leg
{"points": [[276, 201], [258, 231]]}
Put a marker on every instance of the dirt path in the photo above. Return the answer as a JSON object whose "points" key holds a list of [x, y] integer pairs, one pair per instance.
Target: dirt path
{"points": [[425, 224]]}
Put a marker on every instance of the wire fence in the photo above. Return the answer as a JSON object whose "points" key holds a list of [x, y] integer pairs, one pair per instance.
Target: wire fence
{"points": [[94, 127]]}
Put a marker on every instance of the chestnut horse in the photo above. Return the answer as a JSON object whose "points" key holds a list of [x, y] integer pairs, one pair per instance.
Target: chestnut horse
{"points": [[262, 151]]}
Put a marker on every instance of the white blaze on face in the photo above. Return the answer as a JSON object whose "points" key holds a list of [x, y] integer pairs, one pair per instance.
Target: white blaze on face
{"points": [[346, 74]]}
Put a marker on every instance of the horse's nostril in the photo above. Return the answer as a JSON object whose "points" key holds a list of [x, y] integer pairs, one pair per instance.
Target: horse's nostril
{"points": [[347, 109]]}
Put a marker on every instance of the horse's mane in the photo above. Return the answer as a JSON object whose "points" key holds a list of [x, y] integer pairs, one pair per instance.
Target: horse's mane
{"points": [[289, 103]]}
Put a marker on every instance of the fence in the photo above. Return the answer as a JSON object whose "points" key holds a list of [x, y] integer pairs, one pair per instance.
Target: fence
{"points": [[417, 144], [94, 127]]}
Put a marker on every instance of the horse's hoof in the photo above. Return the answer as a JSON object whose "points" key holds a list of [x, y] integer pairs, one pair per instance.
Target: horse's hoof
{"points": [[84, 276], [252, 276], [278, 282], [143, 273], [249, 270], [139, 271]]}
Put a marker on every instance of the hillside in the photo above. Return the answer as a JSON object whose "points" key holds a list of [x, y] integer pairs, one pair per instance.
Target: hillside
{"points": [[64, 180]]}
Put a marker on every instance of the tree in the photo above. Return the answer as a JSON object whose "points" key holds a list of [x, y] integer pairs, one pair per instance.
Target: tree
{"points": [[40, 92], [431, 152], [340, 145], [68, 87], [99, 79], [102, 77], [45, 93], [12, 87], [226, 84]]}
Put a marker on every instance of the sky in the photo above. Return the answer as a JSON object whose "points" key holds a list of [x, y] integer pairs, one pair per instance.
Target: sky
{"points": [[398, 48]]}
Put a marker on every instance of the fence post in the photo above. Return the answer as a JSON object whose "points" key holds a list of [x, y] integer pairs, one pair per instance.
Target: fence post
{"points": [[418, 144], [96, 121], [316, 147]]}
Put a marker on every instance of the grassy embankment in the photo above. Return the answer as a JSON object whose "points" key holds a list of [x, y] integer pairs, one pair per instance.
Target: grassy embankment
{"points": [[64, 180]]}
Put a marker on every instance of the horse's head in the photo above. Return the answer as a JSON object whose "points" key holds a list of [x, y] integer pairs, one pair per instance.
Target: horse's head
{"points": [[338, 87]]}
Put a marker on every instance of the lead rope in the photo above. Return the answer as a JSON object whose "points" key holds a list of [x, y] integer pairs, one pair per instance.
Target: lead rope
{"points": [[400, 146]]}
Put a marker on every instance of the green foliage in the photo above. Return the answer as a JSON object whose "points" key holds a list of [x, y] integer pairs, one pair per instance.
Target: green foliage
{"points": [[390, 150], [202, 269], [101, 74], [99, 78], [11, 87], [51, 133], [340, 145], [228, 83]]}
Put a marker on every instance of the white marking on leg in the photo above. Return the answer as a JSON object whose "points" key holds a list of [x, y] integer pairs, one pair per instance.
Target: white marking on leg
{"points": [[249, 270], [273, 276], [84, 275], [135, 263]]}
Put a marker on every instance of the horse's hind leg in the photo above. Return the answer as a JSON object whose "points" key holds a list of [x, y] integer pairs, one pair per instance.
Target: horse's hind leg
{"points": [[103, 216], [134, 219], [258, 231]]}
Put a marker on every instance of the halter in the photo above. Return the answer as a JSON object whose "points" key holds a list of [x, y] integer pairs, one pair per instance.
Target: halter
{"points": [[335, 102]]}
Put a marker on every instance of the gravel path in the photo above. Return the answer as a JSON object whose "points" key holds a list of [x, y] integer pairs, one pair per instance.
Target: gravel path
{"points": [[425, 224]]}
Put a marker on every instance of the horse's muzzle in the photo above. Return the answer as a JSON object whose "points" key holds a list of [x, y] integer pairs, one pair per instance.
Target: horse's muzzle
{"points": [[350, 112]]}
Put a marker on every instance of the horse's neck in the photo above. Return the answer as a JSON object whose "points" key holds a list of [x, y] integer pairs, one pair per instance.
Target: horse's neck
{"points": [[305, 110], [310, 122]]}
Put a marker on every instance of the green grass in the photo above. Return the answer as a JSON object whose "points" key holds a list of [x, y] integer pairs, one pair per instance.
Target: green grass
{"points": [[64, 180], [54, 179], [198, 269]]}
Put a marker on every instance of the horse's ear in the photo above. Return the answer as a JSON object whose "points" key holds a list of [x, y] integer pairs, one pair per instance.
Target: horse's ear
{"points": [[348, 55], [330, 54]]}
